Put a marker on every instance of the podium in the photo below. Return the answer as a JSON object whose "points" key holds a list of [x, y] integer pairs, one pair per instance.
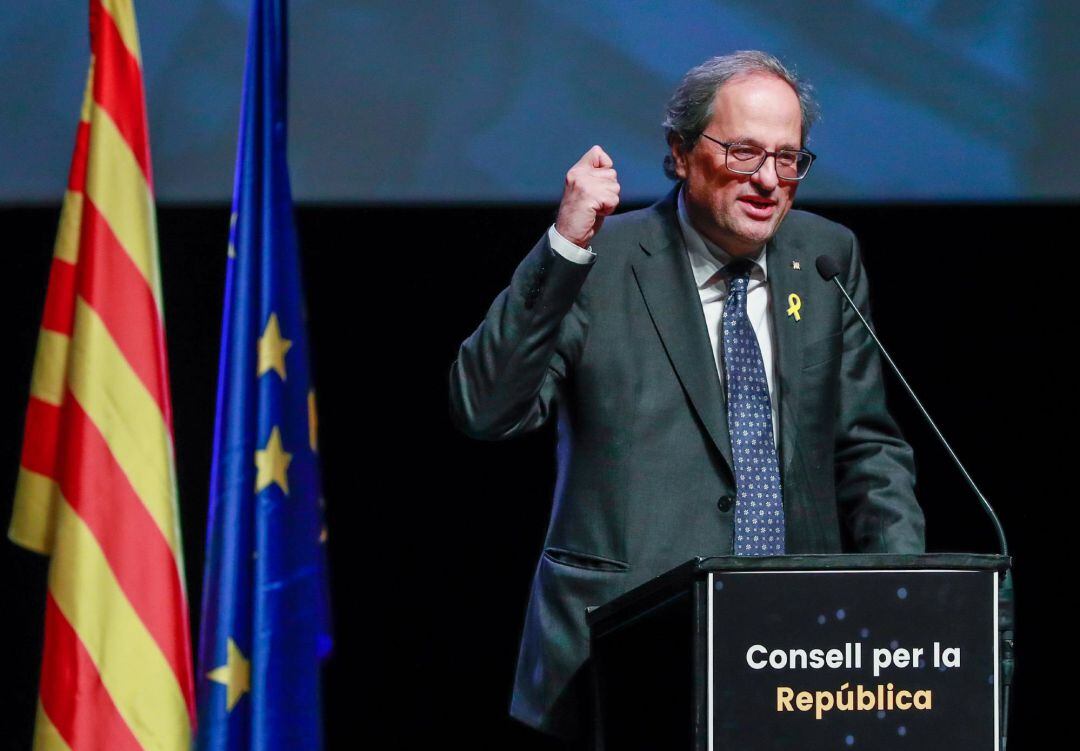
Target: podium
{"points": [[807, 652]]}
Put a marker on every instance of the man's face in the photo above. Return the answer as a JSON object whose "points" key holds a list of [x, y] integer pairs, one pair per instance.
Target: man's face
{"points": [[741, 212]]}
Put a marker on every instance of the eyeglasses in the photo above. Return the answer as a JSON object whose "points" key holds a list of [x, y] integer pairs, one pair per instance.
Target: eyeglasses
{"points": [[746, 159]]}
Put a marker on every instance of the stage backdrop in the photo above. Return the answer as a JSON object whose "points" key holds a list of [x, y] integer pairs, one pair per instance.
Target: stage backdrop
{"points": [[486, 100]]}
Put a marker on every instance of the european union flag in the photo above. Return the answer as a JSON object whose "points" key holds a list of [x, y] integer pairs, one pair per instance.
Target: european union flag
{"points": [[265, 625]]}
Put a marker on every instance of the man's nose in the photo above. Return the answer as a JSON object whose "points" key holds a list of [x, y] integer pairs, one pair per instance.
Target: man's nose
{"points": [[766, 177]]}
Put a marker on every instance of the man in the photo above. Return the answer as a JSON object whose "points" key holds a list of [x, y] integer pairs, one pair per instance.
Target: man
{"points": [[714, 396]]}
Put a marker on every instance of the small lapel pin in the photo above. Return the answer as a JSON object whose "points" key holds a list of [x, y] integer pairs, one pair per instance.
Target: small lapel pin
{"points": [[794, 306], [796, 265]]}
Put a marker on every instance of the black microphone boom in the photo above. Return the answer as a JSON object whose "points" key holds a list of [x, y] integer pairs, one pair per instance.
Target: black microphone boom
{"points": [[830, 271]]}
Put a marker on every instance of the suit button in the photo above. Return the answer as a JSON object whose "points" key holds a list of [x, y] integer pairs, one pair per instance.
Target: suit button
{"points": [[725, 503]]}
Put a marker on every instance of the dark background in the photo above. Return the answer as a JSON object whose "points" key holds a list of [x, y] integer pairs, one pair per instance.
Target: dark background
{"points": [[433, 537]]}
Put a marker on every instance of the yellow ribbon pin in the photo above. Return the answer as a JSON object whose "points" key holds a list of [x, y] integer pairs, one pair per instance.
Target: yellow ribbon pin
{"points": [[795, 305]]}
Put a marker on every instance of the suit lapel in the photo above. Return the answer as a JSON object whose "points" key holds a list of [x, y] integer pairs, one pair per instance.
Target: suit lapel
{"points": [[783, 282], [667, 283]]}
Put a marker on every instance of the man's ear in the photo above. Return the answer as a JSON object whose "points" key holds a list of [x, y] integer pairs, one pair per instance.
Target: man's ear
{"points": [[678, 155]]}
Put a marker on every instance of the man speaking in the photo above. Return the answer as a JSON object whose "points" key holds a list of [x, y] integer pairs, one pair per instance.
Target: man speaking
{"points": [[713, 394]]}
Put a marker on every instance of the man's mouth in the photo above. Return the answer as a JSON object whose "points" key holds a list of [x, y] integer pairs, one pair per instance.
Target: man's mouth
{"points": [[758, 207]]}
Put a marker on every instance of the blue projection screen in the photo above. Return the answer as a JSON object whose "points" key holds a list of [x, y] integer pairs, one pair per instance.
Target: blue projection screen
{"points": [[493, 101]]}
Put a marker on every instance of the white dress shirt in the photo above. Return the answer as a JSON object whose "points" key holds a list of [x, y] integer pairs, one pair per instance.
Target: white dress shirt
{"points": [[708, 262]]}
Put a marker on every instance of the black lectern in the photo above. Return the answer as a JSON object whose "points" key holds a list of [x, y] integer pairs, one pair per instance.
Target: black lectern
{"points": [[809, 652]]}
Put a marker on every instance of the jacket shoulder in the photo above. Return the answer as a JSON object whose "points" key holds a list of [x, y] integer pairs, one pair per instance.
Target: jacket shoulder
{"points": [[623, 235], [805, 225], [804, 234], [622, 231]]}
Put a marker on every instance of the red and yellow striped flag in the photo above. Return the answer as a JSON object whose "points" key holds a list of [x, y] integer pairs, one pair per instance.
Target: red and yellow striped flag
{"points": [[97, 484]]}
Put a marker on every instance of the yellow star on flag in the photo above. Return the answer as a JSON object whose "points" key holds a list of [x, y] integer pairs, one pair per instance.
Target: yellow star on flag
{"points": [[272, 348], [235, 675], [272, 463]]}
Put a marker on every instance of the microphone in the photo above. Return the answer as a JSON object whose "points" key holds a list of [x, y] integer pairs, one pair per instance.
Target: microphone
{"points": [[829, 270]]}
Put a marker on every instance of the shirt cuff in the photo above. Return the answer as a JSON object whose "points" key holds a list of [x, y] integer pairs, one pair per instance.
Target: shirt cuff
{"points": [[568, 250]]}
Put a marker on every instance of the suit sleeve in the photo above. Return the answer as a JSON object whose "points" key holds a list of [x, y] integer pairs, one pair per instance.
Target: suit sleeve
{"points": [[875, 471], [508, 372]]}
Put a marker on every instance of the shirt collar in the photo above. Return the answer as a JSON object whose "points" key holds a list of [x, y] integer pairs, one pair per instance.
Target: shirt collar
{"points": [[706, 257]]}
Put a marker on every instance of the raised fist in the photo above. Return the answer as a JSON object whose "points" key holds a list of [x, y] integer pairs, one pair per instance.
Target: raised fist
{"points": [[591, 193]]}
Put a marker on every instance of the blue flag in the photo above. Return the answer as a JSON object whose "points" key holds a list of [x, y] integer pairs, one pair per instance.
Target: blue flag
{"points": [[265, 623]]}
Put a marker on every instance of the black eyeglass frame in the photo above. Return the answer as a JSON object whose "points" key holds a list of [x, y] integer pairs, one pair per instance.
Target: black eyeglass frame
{"points": [[727, 153]]}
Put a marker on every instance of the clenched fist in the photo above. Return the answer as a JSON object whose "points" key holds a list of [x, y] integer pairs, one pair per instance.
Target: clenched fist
{"points": [[591, 193]]}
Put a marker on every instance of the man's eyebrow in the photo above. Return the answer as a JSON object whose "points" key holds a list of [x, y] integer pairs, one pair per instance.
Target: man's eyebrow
{"points": [[755, 142]]}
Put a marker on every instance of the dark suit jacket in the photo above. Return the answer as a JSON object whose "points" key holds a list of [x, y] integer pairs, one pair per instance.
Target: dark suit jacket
{"points": [[619, 352]]}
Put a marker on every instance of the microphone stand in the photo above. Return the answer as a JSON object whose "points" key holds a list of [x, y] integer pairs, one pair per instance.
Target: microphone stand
{"points": [[829, 271]]}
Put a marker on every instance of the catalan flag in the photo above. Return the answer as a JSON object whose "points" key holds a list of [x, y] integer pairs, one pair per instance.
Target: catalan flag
{"points": [[97, 485], [265, 627]]}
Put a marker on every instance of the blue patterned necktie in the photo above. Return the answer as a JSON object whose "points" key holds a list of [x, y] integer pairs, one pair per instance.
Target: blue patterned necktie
{"points": [[759, 508]]}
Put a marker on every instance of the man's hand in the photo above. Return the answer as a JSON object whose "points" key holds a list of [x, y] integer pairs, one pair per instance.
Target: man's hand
{"points": [[591, 193]]}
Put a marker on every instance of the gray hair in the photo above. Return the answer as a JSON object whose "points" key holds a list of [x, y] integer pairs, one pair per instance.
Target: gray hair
{"points": [[691, 106]]}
